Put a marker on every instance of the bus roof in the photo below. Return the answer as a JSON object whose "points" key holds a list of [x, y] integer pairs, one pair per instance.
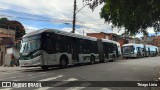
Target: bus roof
{"points": [[134, 44], [106, 40], [151, 46], [60, 33]]}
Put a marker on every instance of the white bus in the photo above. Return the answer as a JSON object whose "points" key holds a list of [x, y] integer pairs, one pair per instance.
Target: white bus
{"points": [[151, 50], [133, 50], [49, 47]]}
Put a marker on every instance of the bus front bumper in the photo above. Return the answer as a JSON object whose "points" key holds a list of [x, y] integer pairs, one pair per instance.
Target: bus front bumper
{"points": [[31, 63], [129, 55]]}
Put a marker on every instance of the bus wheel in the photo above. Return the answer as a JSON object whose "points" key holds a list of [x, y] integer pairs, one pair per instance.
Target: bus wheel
{"points": [[63, 62], [137, 55], [113, 58], [92, 59], [44, 67]]}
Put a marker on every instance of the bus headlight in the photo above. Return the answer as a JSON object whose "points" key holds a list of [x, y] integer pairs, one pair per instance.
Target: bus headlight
{"points": [[36, 55]]}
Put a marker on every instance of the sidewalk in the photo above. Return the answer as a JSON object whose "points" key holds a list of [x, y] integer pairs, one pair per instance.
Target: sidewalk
{"points": [[15, 68], [4, 69]]}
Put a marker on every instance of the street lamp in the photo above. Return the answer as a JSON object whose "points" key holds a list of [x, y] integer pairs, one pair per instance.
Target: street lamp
{"points": [[82, 7]]}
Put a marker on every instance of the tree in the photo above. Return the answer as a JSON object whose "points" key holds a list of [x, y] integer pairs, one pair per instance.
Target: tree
{"points": [[13, 25], [134, 15], [156, 28]]}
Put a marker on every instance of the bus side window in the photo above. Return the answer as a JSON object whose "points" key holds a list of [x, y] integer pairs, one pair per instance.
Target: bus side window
{"points": [[58, 43], [46, 44], [68, 44]]}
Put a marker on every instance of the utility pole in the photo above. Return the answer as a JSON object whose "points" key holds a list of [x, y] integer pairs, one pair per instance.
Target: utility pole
{"points": [[83, 32], [74, 16]]}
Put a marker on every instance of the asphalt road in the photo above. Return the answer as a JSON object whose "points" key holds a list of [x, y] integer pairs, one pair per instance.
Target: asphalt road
{"points": [[143, 69]]}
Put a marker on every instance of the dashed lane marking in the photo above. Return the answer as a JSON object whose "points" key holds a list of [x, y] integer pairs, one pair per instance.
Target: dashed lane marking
{"points": [[52, 78], [105, 89], [43, 88], [6, 89], [61, 83]]}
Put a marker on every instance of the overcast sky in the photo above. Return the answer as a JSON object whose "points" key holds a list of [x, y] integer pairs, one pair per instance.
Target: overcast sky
{"points": [[57, 14]]}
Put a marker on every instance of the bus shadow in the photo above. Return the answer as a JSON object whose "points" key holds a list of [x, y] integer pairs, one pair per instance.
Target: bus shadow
{"points": [[38, 69]]}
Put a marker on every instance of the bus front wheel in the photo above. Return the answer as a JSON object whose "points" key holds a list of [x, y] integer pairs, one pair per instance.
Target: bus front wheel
{"points": [[113, 58], [63, 62]]}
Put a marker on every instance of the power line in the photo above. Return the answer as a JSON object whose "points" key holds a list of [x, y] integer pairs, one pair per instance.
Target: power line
{"points": [[79, 23], [17, 12], [26, 14], [44, 20]]}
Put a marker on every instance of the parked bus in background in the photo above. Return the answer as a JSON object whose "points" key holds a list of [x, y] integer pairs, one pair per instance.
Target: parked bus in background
{"points": [[132, 50], [118, 46], [49, 47], [147, 50], [151, 50]]}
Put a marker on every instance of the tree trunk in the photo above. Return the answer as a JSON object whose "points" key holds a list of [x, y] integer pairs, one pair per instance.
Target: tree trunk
{"points": [[144, 38]]}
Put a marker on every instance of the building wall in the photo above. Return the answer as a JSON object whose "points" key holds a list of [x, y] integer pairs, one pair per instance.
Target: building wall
{"points": [[148, 40], [7, 32], [7, 38], [122, 42], [156, 41], [137, 41], [109, 36], [97, 35], [2, 54]]}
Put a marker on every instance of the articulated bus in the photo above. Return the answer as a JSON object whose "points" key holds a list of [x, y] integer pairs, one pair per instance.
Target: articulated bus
{"points": [[138, 50], [48, 47], [132, 50]]}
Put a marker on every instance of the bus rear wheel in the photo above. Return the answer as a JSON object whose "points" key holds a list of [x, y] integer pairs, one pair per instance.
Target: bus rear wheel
{"points": [[113, 58], [44, 67], [92, 60], [137, 56], [63, 62]]}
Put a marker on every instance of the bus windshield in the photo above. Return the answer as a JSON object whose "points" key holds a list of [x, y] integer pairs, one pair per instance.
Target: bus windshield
{"points": [[128, 49], [29, 46]]}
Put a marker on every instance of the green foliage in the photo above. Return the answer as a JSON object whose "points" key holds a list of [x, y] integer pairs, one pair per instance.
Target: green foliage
{"points": [[157, 27], [135, 15], [13, 25], [3, 20]]}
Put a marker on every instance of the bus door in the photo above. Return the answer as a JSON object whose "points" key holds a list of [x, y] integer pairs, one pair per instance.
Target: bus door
{"points": [[149, 53], [156, 51], [105, 48], [75, 56], [138, 51], [117, 53]]}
